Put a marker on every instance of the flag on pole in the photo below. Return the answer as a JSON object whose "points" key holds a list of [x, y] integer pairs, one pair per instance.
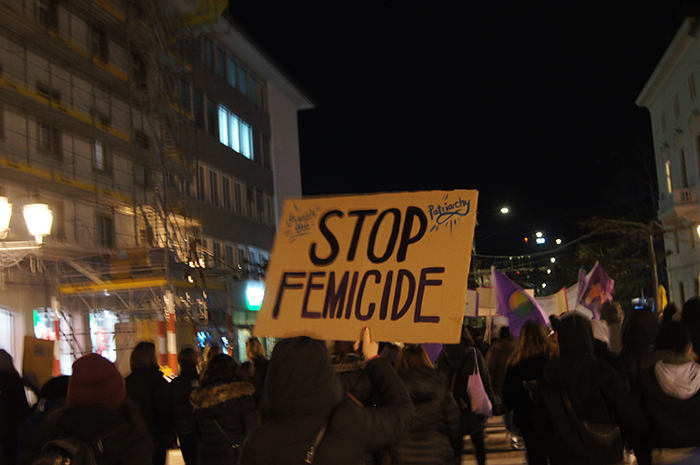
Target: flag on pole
{"points": [[513, 303], [596, 290]]}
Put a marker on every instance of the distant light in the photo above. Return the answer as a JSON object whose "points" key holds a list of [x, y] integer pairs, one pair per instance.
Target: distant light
{"points": [[539, 234], [558, 241], [699, 230], [526, 239], [549, 271], [544, 285], [540, 240], [552, 259], [505, 210]]}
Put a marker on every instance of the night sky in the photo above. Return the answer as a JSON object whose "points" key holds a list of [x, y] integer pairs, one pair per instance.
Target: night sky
{"points": [[531, 103]]}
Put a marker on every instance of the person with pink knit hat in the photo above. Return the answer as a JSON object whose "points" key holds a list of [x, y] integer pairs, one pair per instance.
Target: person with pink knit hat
{"points": [[97, 414]]}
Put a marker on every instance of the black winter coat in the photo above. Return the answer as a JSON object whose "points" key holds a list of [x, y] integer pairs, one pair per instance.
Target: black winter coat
{"points": [[13, 411], [302, 394], [356, 381], [233, 407], [150, 393], [123, 441], [592, 386], [435, 427], [457, 362], [181, 388], [516, 397], [257, 372]]}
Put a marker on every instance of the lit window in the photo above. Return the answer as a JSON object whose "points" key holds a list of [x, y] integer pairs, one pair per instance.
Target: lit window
{"points": [[246, 140], [669, 183], [235, 136], [223, 125]]}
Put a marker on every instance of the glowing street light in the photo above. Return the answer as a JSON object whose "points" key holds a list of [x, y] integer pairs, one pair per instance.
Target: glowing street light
{"points": [[558, 241], [39, 219], [505, 210], [552, 259]]}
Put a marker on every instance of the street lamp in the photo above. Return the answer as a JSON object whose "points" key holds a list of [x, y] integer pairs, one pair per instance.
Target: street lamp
{"points": [[38, 218]]}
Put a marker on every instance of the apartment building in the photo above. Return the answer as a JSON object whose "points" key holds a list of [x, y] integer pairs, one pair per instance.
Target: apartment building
{"points": [[163, 143], [671, 97]]}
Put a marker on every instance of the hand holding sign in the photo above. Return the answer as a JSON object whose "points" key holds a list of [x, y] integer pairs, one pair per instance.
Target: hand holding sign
{"points": [[370, 349]]}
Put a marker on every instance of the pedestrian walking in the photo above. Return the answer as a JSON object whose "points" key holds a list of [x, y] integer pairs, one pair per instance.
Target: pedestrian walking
{"points": [[306, 414], [581, 398], [97, 412], [638, 335], [256, 366], [224, 410], [458, 362], [534, 349], [497, 363], [669, 396], [181, 388], [435, 427], [149, 391], [14, 408]]}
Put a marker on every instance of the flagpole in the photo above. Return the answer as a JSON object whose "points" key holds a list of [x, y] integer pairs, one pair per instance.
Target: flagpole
{"points": [[652, 257]]}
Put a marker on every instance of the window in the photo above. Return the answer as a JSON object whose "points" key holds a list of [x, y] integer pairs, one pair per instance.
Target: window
{"points": [[102, 120], [669, 180], [58, 226], [142, 139], [48, 93], [142, 175], [684, 173], [47, 13], [242, 257], [676, 106], [101, 159], [217, 253], [234, 132], [198, 110], [246, 140], [105, 230], [214, 187], [238, 197], [185, 96], [138, 69], [212, 118], [226, 192], [230, 258], [220, 63], [201, 184], [242, 81], [223, 125], [269, 211], [49, 140], [99, 44], [205, 261], [250, 201], [253, 91], [260, 205], [231, 71], [691, 86], [253, 265], [209, 54]]}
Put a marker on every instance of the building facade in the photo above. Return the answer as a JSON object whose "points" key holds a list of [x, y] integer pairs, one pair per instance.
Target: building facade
{"points": [[164, 142], [671, 96]]}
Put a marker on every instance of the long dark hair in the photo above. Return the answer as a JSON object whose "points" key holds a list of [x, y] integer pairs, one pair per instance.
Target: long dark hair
{"points": [[413, 356], [143, 356], [187, 359], [221, 369]]}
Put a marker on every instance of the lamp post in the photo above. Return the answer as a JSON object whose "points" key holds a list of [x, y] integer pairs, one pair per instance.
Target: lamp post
{"points": [[38, 218]]}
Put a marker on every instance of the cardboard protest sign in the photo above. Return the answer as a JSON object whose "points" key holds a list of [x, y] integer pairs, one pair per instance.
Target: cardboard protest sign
{"points": [[397, 263], [37, 364]]}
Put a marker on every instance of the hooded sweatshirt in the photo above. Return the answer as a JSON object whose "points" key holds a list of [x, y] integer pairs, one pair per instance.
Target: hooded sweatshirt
{"points": [[302, 394]]}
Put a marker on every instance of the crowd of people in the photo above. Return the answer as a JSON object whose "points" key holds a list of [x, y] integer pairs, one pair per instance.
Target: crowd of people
{"points": [[580, 391]]}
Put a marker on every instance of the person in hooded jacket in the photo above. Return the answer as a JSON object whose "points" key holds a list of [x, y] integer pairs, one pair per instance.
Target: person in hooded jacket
{"points": [[14, 408], [458, 362], [435, 426], [533, 351], [256, 366], [591, 386], [149, 391], [181, 388], [638, 334], [97, 410], [670, 396], [224, 410], [305, 412]]}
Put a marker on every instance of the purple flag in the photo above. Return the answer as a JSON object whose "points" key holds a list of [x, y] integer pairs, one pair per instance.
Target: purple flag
{"points": [[513, 303], [597, 289]]}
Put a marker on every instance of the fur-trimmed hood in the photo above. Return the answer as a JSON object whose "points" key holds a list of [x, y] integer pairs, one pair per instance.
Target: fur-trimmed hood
{"points": [[349, 366], [219, 393]]}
